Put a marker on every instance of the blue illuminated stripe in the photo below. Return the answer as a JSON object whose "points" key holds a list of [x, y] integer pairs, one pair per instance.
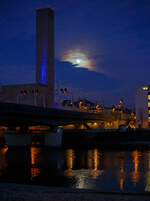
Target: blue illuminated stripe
{"points": [[44, 68]]}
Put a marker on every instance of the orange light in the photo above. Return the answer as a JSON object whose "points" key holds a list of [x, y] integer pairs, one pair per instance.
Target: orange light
{"points": [[135, 174]]}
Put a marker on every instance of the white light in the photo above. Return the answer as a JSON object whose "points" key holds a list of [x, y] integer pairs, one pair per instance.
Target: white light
{"points": [[78, 61], [77, 58]]}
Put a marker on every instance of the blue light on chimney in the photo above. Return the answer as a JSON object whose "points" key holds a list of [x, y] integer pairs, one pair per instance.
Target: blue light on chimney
{"points": [[43, 69]]}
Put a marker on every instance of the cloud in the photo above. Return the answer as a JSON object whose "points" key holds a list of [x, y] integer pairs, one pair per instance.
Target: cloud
{"points": [[85, 83], [83, 78]]}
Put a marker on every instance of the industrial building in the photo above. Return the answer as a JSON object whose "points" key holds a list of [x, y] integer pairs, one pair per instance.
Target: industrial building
{"points": [[40, 93], [143, 107]]}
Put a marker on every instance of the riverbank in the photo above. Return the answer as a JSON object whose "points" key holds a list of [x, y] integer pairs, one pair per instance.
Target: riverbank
{"points": [[21, 192]]}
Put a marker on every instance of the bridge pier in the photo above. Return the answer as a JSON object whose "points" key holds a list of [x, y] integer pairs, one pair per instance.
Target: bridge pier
{"points": [[17, 137], [18, 140], [54, 138]]}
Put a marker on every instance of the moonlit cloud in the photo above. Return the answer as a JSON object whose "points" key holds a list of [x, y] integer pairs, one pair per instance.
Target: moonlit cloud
{"points": [[79, 58]]}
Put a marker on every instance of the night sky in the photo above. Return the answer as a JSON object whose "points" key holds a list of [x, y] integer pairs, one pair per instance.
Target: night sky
{"points": [[112, 34]]}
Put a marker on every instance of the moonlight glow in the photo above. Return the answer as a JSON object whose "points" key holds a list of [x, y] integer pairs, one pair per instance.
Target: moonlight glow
{"points": [[78, 58], [78, 61]]}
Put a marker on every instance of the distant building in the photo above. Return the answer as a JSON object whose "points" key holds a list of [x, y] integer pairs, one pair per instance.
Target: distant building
{"points": [[143, 107], [40, 93]]}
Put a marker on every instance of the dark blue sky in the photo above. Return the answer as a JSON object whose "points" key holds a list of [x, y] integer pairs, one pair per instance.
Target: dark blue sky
{"points": [[115, 33]]}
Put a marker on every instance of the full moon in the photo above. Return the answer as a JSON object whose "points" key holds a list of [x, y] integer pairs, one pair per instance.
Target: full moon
{"points": [[78, 58], [78, 61]]}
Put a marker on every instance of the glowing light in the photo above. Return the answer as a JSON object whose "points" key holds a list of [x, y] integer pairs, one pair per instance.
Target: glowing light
{"points": [[145, 88], [43, 73], [78, 58], [36, 161], [44, 68], [135, 173], [70, 155], [78, 61], [3, 163]]}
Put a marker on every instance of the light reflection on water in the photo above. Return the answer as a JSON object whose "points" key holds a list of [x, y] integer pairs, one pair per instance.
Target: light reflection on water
{"points": [[3, 164], [78, 168], [89, 168], [36, 161]]}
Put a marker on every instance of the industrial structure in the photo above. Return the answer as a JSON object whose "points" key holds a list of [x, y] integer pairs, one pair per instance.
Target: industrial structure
{"points": [[40, 93], [143, 107]]}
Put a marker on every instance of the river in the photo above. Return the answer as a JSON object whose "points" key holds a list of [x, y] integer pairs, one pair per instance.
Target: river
{"points": [[96, 168]]}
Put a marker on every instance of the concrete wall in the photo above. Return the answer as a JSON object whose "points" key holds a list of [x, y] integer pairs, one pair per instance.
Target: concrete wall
{"points": [[28, 94]]}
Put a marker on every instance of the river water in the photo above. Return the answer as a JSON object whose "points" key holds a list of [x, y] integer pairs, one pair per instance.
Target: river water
{"points": [[98, 169]]}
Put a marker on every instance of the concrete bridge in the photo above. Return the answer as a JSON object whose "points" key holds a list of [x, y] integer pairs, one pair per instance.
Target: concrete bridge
{"points": [[17, 115]]}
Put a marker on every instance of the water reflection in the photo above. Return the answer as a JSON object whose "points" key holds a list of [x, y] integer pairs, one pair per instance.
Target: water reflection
{"points": [[77, 168], [147, 175], [3, 164], [88, 168], [46, 166], [135, 173], [37, 157], [83, 168], [121, 172], [70, 159], [17, 165], [93, 158]]}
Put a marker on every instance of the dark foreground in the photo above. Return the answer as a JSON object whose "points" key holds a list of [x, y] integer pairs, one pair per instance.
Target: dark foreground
{"points": [[16, 192], [110, 139]]}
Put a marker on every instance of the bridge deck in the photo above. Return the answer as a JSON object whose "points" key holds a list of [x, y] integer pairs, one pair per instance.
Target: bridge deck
{"points": [[15, 114]]}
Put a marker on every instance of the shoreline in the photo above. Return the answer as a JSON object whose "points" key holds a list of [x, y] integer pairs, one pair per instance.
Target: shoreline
{"points": [[25, 192]]}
